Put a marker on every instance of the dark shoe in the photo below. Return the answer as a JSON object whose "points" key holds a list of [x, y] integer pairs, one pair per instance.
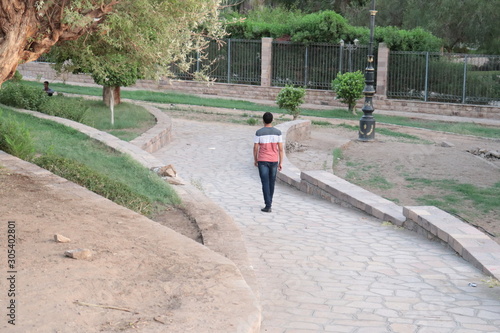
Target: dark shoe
{"points": [[266, 209]]}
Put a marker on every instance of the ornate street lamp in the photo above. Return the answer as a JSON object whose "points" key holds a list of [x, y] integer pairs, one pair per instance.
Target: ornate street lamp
{"points": [[350, 47], [367, 122]]}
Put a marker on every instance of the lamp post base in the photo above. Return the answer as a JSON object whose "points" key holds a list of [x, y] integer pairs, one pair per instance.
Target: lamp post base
{"points": [[366, 128]]}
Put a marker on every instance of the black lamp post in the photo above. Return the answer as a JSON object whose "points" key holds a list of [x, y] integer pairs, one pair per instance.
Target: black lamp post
{"points": [[367, 122]]}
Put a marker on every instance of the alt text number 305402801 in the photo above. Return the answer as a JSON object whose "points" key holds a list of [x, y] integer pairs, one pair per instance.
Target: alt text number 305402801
{"points": [[11, 272]]}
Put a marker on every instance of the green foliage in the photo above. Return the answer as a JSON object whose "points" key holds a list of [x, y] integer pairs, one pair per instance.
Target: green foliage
{"points": [[251, 121], [118, 72], [290, 98], [17, 77], [22, 96], [32, 98], [65, 107], [325, 27], [349, 88], [463, 26], [15, 138], [141, 39], [416, 39], [83, 175]]}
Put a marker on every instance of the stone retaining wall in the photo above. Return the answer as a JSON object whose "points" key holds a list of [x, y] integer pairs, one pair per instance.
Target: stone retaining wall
{"points": [[157, 136]]}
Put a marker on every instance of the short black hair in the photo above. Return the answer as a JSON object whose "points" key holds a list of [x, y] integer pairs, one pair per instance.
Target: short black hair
{"points": [[267, 117]]}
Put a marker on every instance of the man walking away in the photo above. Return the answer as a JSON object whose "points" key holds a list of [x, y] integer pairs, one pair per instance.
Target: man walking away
{"points": [[268, 157]]}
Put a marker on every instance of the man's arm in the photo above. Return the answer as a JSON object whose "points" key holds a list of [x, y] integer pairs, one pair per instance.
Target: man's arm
{"points": [[282, 153], [255, 153]]}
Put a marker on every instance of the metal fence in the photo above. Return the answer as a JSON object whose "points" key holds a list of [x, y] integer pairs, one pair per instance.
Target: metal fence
{"points": [[314, 65], [450, 78], [234, 61]]}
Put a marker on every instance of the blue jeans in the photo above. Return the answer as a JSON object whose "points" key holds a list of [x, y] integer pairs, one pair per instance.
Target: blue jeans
{"points": [[267, 173]]}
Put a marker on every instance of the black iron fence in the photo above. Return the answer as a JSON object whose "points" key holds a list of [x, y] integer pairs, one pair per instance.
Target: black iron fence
{"points": [[236, 61], [313, 66], [450, 78]]}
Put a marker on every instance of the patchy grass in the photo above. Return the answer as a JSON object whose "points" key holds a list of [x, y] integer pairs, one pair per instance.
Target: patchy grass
{"points": [[130, 120], [338, 154], [483, 199]]}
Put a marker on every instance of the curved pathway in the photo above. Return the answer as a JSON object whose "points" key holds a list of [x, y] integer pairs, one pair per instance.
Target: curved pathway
{"points": [[325, 268]]}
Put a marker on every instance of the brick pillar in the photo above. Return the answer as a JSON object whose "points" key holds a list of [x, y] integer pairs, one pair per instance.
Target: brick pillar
{"points": [[382, 70], [266, 69]]}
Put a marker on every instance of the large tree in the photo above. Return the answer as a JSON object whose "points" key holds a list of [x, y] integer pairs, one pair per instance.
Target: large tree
{"points": [[461, 24], [141, 39], [30, 28]]}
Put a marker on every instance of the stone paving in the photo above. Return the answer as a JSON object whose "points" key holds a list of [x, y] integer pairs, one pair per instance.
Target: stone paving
{"points": [[325, 268]]}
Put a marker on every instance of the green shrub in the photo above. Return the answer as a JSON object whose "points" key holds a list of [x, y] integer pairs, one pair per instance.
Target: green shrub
{"points": [[324, 26], [251, 121], [290, 98], [65, 107], [81, 174], [407, 40], [17, 77], [22, 96], [349, 88], [16, 139]]}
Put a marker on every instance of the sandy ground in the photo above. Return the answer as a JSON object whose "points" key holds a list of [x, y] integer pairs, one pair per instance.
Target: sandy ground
{"points": [[142, 277], [407, 170]]}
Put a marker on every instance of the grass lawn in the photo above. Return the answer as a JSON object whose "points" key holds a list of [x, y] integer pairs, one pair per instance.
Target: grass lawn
{"points": [[130, 120], [53, 138]]}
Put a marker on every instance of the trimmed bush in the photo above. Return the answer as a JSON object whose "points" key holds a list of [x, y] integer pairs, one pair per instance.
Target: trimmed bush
{"points": [[31, 98], [349, 88], [22, 96], [65, 107], [83, 175], [15, 138], [290, 98]]}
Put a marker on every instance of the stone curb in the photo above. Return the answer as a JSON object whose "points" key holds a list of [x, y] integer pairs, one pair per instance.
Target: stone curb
{"points": [[199, 207], [158, 136], [470, 243]]}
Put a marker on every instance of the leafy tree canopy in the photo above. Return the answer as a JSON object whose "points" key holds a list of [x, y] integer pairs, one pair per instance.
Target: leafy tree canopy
{"points": [[151, 33], [141, 39]]}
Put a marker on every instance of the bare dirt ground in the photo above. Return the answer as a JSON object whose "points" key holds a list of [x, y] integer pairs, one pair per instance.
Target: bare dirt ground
{"points": [[141, 277], [409, 171]]}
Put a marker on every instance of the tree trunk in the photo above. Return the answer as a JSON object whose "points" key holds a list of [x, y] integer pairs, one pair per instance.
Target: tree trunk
{"points": [[352, 108], [27, 32], [106, 95]]}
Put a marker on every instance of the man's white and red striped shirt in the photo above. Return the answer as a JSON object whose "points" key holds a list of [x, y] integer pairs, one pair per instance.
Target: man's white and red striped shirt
{"points": [[268, 139]]}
